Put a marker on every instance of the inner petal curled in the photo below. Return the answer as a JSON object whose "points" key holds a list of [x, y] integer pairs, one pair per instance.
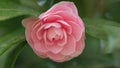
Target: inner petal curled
{"points": [[54, 34]]}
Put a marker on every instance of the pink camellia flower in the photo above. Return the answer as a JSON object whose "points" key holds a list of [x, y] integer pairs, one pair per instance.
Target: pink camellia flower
{"points": [[57, 34]]}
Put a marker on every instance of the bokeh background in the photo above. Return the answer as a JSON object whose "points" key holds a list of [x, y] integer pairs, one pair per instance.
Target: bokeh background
{"points": [[102, 25]]}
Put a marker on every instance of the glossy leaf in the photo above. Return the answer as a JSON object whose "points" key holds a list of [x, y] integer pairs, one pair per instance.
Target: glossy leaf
{"points": [[10, 9], [10, 25], [28, 59], [107, 31], [8, 59], [113, 39], [11, 39], [97, 27]]}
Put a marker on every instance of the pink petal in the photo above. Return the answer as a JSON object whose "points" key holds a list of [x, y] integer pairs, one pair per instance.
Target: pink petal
{"points": [[51, 34], [63, 6], [70, 5], [40, 30], [33, 35], [80, 45], [29, 21], [80, 22], [51, 46], [69, 48], [51, 18], [77, 30], [54, 33], [63, 41], [54, 48], [66, 26], [29, 31], [47, 42], [40, 46], [41, 54], [28, 36], [56, 57], [67, 16], [56, 25], [58, 7]]}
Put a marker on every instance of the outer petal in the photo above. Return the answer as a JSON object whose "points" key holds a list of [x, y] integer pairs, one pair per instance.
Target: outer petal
{"points": [[41, 54], [80, 22], [29, 21], [34, 35], [28, 36], [54, 48], [29, 24], [70, 5], [69, 48], [40, 46], [63, 6], [67, 16], [56, 57], [77, 30], [80, 45]]}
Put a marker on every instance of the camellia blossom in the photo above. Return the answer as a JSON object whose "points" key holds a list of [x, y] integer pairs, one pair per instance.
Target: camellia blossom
{"points": [[57, 34]]}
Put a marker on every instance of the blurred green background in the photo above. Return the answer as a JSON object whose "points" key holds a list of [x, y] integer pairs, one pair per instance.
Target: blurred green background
{"points": [[102, 24]]}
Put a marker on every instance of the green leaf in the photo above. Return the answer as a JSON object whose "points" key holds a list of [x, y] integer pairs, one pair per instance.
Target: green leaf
{"points": [[9, 9], [11, 39], [28, 59], [10, 25], [9, 57], [113, 39], [108, 32], [97, 27]]}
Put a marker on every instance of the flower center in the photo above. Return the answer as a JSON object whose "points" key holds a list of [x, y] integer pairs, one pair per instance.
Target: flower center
{"points": [[54, 34]]}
